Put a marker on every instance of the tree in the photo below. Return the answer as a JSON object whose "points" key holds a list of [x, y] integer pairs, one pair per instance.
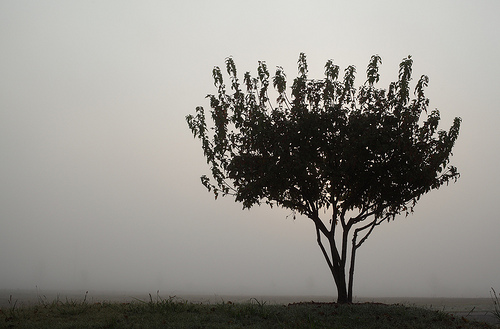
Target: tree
{"points": [[360, 155]]}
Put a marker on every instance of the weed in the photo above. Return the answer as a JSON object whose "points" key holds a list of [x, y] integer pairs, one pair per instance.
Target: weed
{"points": [[12, 305], [496, 303], [11, 313]]}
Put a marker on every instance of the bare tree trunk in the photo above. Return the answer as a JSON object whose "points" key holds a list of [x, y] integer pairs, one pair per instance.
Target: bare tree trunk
{"points": [[342, 295], [351, 273]]}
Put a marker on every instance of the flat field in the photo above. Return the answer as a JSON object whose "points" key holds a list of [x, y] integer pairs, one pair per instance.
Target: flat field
{"points": [[154, 311]]}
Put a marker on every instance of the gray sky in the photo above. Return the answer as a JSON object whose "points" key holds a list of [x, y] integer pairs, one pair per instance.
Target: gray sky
{"points": [[99, 174]]}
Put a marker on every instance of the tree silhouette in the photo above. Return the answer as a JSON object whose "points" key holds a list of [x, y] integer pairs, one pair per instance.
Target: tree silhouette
{"points": [[360, 155]]}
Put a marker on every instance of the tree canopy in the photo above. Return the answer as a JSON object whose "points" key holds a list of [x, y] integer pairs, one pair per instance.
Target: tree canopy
{"points": [[361, 154]]}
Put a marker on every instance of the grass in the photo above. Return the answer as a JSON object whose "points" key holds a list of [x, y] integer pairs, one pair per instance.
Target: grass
{"points": [[177, 313], [496, 303]]}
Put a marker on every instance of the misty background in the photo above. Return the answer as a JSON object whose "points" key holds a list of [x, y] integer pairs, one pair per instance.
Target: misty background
{"points": [[99, 173]]}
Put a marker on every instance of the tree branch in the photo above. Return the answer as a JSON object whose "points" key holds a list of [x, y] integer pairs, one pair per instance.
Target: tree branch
{"points": [[319, 224], [355, 246], [321, 227], [323, 250], [371, 225]]}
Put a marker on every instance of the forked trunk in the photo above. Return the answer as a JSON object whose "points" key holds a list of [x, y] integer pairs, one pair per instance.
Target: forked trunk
{"points": [[343, 297], [335, 262]]}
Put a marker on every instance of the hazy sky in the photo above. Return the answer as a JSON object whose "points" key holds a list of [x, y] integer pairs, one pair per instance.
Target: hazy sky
{"points": [[99, 174]]}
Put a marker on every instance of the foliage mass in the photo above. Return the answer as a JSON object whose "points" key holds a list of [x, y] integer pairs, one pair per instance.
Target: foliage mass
{"points": [[361, 155]]}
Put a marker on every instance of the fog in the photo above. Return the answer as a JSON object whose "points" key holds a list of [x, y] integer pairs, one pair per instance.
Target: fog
{"points": [[99, 173]]}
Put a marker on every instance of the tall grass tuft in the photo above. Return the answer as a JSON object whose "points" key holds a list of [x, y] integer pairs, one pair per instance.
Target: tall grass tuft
{"points": [[496, 303]]}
